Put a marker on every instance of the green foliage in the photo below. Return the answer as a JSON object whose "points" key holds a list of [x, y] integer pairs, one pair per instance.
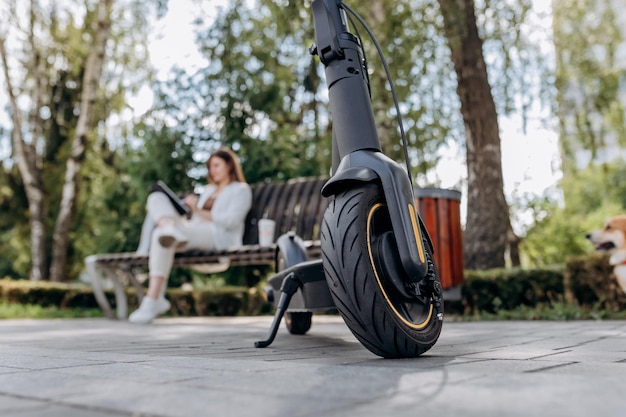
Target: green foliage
{"points": [[592, 196], [33, 311], [598, 188], [14, 227], [505, 289], [28, 299], [553, 311], [263, 95], [116, 185], [257, 95], [556, 237], [587, 38], [244, 276], [590, 280], [584, 287], [46, 294], [225, 302], [47, 72]]}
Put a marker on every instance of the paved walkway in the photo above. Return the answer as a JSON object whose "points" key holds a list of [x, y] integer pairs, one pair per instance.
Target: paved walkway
{"points": [[209, 367]]}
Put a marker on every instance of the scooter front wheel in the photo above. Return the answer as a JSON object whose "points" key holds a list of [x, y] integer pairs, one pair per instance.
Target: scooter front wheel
{"points": [[382, 318]]}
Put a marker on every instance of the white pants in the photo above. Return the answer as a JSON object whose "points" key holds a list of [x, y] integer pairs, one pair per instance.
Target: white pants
{"points": [[199, 234]]}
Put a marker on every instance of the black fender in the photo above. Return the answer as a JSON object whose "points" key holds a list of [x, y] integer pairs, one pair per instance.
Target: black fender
{"points": [[313, 293], [408, 229], [291, 247]]}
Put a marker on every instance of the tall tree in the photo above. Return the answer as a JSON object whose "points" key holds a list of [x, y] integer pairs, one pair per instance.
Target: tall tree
{"points": [[65, 70], [28, 160], [91, 79], [488, 220]]}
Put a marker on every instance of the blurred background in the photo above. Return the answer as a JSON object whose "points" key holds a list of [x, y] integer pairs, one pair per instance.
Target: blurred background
{"points": [[100, 98]]}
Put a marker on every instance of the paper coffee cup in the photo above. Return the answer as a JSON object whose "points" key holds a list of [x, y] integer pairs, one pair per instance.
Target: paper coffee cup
{"points": [[266, 232]]}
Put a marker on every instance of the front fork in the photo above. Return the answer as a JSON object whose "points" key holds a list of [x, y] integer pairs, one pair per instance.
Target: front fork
{"points": [[357, 155], [368, 166]]}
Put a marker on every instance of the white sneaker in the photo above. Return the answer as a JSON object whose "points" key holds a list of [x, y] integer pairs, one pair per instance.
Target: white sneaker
{"points": [[170, 235], [149, 310]]}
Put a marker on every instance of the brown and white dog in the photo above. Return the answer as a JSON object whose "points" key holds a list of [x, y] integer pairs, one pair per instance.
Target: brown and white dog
{"points": [[612, 239]]}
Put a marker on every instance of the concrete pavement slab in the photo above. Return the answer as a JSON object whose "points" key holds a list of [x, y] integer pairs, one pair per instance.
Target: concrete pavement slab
{"points": [[182, 367]]}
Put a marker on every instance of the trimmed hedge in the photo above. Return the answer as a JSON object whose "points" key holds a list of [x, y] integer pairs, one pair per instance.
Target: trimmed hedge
{"points": [[506, 289], [226, 301], [589, 280], [47, 294], [585, 281]]}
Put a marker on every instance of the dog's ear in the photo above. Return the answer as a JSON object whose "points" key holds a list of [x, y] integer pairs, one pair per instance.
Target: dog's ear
{"points": [[616, 223]]}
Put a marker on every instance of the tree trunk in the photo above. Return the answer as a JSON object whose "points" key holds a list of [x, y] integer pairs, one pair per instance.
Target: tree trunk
{"points": [[513, 242], [91, 78], [26, 156], [485, 237]]}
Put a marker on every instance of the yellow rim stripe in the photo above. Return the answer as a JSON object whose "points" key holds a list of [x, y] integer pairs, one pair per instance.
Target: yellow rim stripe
{"points": [[417, 326], [418, 237]]}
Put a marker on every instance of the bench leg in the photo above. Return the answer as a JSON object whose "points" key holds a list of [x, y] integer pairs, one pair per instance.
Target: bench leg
{"points": [[121, 302], [96, 286], [136, 284]]}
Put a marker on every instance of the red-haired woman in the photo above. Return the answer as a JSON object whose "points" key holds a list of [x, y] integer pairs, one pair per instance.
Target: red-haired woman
{"points": [[217, 222]]}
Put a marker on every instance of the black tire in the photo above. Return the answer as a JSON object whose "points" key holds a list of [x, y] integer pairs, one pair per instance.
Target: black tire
{"points": [[386, 322], [298, 322]]}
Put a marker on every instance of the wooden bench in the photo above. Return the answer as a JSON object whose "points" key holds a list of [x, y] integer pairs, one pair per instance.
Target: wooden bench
{"points": [[296, 205]]}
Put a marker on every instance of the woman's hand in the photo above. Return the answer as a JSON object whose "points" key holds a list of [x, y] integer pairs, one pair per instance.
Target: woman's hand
{"points": [[192, 201]]}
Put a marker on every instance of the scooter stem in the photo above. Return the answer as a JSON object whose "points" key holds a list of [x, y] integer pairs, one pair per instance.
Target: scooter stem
{"points": [[357, 155], [354, 127]]}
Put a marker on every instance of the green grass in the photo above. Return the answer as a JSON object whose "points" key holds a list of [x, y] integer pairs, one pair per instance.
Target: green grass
{"points": [[555, 311], [31, 311]]}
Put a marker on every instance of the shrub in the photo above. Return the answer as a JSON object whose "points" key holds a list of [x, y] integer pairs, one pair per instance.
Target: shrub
{"points": [[505, 289], [590, 280]]}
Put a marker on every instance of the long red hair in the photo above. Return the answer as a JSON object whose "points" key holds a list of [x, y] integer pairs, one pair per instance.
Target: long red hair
{"points": [[232, 160]]}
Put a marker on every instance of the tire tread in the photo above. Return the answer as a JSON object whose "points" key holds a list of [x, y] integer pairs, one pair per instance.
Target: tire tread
{"points": [[353, 285]]}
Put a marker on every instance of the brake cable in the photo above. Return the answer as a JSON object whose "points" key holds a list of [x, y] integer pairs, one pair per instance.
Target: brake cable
{"points": [[389, 78]]}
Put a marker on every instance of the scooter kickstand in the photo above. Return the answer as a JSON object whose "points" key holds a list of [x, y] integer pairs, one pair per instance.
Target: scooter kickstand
{"points": [[288, 288]]}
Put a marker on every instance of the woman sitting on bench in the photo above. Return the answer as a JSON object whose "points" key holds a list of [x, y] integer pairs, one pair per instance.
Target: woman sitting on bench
{"points": [[217, 222]]}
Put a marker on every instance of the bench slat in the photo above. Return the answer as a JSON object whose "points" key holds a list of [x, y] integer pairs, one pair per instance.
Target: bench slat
{"points": [[314, 212], [275, 209], [261, 194]]}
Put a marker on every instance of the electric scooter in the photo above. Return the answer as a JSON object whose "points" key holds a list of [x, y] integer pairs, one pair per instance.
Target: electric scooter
{"points": [[377, 264]]}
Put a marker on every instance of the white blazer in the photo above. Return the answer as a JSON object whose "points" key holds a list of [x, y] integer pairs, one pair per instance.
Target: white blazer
{"points": [[229, 212]]}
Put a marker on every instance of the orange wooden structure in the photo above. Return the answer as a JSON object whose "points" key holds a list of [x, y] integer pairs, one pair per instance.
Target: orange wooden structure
{"points": [[440, 209]]}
